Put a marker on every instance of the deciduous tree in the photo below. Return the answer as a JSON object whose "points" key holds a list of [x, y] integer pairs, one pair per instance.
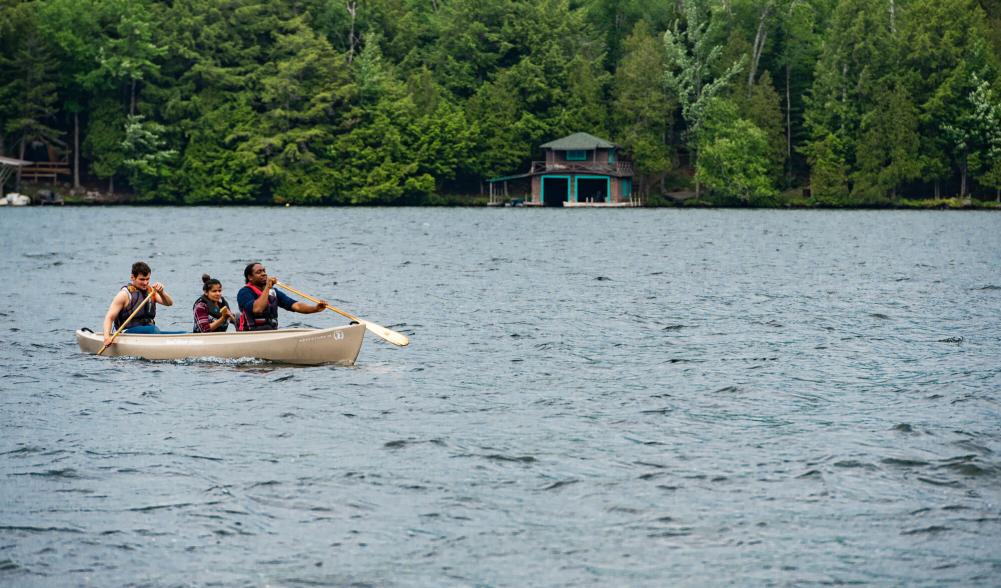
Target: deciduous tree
{"points": [[734, 154], [692, 52]]}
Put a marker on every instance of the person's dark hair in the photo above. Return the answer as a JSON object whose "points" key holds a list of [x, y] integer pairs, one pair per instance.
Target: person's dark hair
{"points": [[249, 270], [140, 268], [208, 281]]}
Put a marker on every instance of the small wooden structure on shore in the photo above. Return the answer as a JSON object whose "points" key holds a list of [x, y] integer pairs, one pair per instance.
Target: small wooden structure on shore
{"points": [[8, 165], [580, 170], [50, 160]]}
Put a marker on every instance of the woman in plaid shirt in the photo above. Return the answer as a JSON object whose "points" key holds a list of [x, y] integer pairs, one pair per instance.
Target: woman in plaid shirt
{"points": [[212, 313]]}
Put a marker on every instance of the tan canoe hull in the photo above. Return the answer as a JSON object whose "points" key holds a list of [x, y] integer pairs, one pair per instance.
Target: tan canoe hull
{"points": [[338, 345]]}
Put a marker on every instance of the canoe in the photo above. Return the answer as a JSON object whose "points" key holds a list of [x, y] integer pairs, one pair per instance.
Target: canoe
{"points": [[339, 345]]}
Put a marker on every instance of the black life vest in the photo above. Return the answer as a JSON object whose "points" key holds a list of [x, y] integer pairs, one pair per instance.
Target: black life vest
{"points": [[214, 310], [267, 321], [145, 316]]}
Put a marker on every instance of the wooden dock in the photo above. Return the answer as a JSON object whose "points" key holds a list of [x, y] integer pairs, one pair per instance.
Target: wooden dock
{"points": [[626, 204]]}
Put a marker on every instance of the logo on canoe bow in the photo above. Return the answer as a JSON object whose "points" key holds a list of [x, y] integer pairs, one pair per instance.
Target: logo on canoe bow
{"points": [[336, 336]]}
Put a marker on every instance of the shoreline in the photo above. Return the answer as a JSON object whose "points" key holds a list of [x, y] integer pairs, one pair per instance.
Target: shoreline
{"points": [[47, 195]]}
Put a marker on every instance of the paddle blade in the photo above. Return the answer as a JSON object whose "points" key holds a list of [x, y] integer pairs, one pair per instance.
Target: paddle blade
{"points": [[388, 334], [380, 331]]}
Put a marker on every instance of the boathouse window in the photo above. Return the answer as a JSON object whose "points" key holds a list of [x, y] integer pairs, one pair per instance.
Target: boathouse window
{"points": [[577, 155]]}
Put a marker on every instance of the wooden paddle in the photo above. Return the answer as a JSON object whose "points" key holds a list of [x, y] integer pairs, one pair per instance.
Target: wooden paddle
{"points": [[152, 292], [387, 334]]}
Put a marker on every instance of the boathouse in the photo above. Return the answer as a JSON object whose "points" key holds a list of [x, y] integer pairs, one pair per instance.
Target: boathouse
{"points": [[578, 170]]}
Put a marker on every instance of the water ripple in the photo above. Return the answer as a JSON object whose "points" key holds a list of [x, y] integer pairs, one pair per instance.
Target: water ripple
{"points": [[754, 397]]}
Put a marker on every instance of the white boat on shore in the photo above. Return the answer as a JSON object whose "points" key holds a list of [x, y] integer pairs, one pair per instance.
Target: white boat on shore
{"points": [[15, 199], [337, 345]]}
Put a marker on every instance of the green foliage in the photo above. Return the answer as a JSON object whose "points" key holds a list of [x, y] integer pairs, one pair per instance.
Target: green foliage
{"points": [[212, 170], [642, 108], [852, 65], [392, 150], [888, 150], [829, 171], [976, 134], [799, 40], [942, 43], [105, 136], [616, 20], [148, 160], [733, 157], [508, 132], [125, 53], [469, 43], [298, 89], [71, 26], [393, 101], [762, 108], [29, 94], [691, 55]]}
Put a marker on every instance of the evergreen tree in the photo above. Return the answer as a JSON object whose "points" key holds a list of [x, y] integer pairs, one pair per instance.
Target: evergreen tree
{"points": [[104, 137], [205, 95], [508, 132], [799, 43], [212, 169], [32, 86], [383, 157], [888, 150], [302, 87], [828, 171], [642, 108], [943, 43], [761, 106], [586, 105], [441, 136], [616, 20], [127, 54], [467, 44], [72, 25], [855, 59]]}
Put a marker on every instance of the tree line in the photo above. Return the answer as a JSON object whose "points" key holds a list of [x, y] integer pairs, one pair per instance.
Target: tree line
{"points": [[863, 102]]}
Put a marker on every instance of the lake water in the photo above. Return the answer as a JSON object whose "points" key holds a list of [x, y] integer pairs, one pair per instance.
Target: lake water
{"points": [[590, 398]]}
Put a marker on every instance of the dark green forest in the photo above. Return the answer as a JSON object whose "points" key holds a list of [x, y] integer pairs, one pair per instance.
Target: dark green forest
{"points": [[757, 102]]}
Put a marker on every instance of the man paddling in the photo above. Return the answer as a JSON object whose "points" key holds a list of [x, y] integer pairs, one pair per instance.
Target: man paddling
{"points": [[129, 298], [259, 301]]}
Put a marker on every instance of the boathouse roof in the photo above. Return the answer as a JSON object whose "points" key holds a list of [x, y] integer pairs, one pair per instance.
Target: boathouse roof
{"points": [[578, 142]]}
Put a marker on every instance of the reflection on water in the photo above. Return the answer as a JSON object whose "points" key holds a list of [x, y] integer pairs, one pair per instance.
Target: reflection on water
{"points": [[590, 397]]}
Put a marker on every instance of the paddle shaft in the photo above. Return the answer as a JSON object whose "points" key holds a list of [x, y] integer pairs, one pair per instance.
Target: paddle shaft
{"points": [[152, 293], [317, 300], [388, 334]]}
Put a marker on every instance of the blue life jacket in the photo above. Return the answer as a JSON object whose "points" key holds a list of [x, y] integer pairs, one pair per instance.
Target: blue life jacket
{"points": [[145, 316], [267, 321], [214, 310]]}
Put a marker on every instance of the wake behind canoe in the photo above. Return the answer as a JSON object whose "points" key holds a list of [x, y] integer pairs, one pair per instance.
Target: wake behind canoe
{"points": [[338, 345]]}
